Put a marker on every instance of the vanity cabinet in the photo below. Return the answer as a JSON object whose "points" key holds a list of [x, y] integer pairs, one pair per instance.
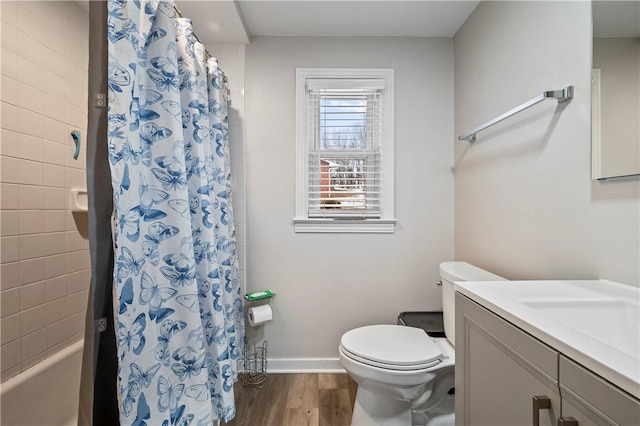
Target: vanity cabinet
{"points": [[499, 371], [505, 376], [592, 400]]}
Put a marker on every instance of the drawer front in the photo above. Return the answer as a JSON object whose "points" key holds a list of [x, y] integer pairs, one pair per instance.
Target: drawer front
{"points": [[582, 391]]}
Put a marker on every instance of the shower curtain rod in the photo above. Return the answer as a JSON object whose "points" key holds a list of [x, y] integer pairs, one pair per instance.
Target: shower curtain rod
{"points": [[178, 14], [207, 55]]}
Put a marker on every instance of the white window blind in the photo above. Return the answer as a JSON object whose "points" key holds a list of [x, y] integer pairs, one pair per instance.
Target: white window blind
{"points": [[344, 150], [344, 136]]}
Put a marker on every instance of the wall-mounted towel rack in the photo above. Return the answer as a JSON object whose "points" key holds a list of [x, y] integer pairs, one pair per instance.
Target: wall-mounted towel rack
{"points": [[561, 95]]}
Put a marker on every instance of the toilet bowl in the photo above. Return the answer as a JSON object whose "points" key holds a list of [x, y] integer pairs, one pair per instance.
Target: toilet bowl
{"points": [[404, 376]]}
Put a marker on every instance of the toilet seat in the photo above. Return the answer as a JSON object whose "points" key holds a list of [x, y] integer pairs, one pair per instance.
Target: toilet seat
{"points": [[391, 347]]}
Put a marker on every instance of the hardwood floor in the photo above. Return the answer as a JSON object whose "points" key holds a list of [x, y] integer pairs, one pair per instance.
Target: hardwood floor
{"points": [[296, 400]]}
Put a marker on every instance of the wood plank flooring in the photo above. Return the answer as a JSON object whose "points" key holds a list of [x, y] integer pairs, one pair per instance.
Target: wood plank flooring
{"points": [[296, 400]]}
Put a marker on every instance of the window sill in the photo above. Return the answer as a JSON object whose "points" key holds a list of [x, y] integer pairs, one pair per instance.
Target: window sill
{"points": [[345, 226]]}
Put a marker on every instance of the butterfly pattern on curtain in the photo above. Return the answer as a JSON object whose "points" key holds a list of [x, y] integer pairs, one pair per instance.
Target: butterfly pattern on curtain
{"points": [[179, 318]]}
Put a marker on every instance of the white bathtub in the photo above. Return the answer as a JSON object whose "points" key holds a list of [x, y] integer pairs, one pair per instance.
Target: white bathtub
{"points": [[46, 394]]}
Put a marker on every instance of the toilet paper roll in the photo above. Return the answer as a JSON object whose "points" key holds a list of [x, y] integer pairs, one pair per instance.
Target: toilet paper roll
{"points": [[259, 315]]}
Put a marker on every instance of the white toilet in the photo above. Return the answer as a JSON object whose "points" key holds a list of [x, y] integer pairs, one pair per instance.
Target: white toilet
{"points": [[404, 376]]}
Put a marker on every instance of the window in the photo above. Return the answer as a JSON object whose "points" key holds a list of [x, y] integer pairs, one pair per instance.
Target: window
{"points": [[344, 150]]}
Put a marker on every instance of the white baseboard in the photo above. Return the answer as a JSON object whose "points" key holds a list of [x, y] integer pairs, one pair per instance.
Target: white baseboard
{"points": [[304, 365]]}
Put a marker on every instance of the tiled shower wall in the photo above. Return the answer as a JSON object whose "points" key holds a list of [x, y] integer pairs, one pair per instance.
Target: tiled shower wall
{"points": [[44, 252]]}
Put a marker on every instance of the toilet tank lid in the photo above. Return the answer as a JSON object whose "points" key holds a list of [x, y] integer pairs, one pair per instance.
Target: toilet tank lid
{"points": [[463, 271]]}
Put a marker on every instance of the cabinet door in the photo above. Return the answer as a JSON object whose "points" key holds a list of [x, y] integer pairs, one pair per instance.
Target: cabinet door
{"points": [[499, 370], [593, 401]]}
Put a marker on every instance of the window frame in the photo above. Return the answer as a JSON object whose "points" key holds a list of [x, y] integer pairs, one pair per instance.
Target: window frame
{"points": [[302, 222]]}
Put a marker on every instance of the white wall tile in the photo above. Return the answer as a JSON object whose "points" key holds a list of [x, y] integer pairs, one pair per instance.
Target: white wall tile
{"points": [[9, 169], [74, 53], [54, 153], [54, 15], [29, 98], [9, 146], [76, 261], [55, 243], [34, 7], [56, 288], [29, 48], [31, 246], [10, 302], [28, 72], [57, 333], [54, 220], [9, 116], [74, 74], [78, 301], [55, 84], [53, 107], [54, 131], [9, 10], [30, 148], [10, 90], [8, 195], [9, 328], [55, 40], [30, 123], [55, 265], [30, 172], [31, 197], [74, 115], [33, 319], [54, 61], [55, 198], [57, 310], [9, 222], [9, 36], [32, 295], [34, 344], [75, 241], [31, 271], [76, 323], [28, 23], [75, 178], [10, 275], [10, 355], [78, 281], [9, 64], [53, 175], [31, 221], [10, 247]]}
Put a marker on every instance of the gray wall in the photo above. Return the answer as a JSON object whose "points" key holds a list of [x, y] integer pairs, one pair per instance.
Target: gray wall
{"points": [[525, 205], [330, 283]]}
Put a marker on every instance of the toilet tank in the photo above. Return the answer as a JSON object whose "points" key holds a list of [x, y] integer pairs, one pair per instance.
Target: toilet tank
{"points": [[451, 272]]}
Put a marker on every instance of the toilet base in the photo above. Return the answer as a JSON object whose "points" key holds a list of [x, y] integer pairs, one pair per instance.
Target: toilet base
{"points": [[370, 409]]}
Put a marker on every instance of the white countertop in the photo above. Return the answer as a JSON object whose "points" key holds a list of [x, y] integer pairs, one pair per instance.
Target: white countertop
{"points": [[596, 322]]}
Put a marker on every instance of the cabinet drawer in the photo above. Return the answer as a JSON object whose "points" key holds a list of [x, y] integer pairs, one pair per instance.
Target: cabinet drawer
{"points": [[582, 391]]}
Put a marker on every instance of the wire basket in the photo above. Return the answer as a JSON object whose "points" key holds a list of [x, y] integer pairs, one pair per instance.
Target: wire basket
{"points": [[255, 364]]}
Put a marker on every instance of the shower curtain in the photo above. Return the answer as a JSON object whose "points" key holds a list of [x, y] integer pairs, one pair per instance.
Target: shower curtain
{"points": [[178, 312]]}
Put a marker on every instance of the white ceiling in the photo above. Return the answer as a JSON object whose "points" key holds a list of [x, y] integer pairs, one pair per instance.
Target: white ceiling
{"points": [[229, 21]]}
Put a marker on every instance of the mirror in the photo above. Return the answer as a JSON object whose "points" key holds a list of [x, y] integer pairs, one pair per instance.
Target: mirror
{"points": [[615, 112]]}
